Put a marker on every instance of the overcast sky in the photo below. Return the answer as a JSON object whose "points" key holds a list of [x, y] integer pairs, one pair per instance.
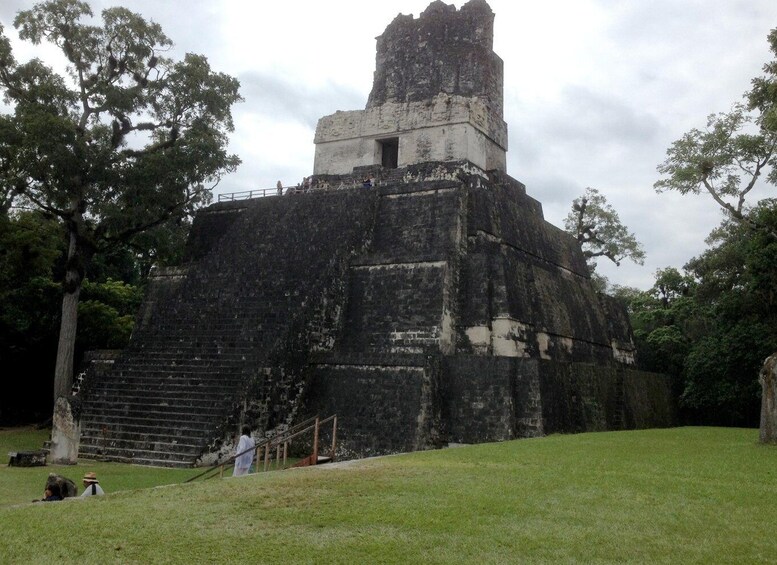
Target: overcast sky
{"points": [[595, 91]]}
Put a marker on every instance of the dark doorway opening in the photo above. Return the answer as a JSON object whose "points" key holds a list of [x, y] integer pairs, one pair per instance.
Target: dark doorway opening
{"points": [[389, 152]]}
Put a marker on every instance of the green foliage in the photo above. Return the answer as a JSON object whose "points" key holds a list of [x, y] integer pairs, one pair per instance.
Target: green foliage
{"points": [[598, 229], [122, 297], [107, 314], [713, 325], [721, 371], [732, 153], [718, 334], [126, 142], [687, 495], [128, 135], [101, 326], [30, 265], [30, 246]]}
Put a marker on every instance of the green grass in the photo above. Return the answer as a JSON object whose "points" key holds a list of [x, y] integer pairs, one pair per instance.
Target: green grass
{"points": [[687, 495], [24, 484]]}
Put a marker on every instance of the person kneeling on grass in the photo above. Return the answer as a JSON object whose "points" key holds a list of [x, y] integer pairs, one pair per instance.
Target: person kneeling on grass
{"points": [[244, 454], [92, 485]]}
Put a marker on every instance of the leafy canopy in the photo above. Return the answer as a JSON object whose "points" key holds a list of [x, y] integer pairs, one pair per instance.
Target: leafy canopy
{"points": [[123, 142], [126, 137], [735, 150], [712, 325], [598, 229]]}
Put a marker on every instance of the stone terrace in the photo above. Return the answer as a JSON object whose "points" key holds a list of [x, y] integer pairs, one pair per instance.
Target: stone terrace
{"points": [[174, 388]]}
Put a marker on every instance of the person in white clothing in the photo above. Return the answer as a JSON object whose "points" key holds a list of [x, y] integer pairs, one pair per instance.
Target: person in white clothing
{"points": [[244, 454], [92, 485]]}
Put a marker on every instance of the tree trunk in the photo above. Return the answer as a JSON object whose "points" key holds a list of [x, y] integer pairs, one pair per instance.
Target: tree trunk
{"points": [[768, 379], [65, 427], [63, 372]]}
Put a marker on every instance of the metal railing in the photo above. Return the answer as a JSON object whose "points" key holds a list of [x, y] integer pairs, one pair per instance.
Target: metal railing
{"points": [[247, 194], [280, 444], [298, 189]]}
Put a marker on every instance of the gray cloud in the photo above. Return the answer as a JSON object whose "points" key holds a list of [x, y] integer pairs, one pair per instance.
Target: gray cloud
{"points": [[8, 10], [598, 119], [274, 95], [589, 101]]}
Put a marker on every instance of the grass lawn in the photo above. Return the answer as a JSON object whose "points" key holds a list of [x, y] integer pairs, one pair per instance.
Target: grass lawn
{"points": [[686, 495], [21, 485]]}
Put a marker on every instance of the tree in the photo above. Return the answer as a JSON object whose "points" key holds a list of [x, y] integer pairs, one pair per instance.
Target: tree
{"points": [[724, 159], [737, 275], [598, 229], [712, 325], [732, 153], [122, 142]]}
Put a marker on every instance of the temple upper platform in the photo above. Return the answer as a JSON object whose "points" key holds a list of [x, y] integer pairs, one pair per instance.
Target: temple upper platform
{"points": [[437, 95]]}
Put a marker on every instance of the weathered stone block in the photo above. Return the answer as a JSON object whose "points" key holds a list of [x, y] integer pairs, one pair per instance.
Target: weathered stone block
{"points": [[27, 458]]}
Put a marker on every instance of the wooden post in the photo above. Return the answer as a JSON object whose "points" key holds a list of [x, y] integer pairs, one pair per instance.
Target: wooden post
{"points": [[334, 436], [285, 452], [221, 472], [315, 444], [277, 455], [266, 455]]}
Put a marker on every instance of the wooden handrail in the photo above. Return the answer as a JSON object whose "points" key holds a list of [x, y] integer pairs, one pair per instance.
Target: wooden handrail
{"points": [[313, 423]]}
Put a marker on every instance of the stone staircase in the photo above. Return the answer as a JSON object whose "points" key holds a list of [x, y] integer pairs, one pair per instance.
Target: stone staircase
{"points": [[172, 392]]}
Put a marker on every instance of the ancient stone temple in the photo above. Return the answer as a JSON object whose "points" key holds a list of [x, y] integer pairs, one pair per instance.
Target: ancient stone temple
{"points": [[428, 306]]}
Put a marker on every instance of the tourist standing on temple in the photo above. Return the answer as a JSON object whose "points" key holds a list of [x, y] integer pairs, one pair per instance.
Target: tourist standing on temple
{"points": [[92, 485], [244, 454]]}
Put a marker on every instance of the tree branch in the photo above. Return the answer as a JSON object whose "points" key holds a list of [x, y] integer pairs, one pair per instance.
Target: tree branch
{"points": [[714, 193], [64, 214], [168, 212]]}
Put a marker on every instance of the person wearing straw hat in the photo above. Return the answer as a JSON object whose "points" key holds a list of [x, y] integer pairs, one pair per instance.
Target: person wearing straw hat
{"points": [[92, 485]]}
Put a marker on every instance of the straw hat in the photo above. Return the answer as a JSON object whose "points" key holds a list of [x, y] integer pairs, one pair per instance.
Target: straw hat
{"points": [[90, 478]]}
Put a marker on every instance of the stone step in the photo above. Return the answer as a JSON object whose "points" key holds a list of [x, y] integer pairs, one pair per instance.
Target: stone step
{"points": [[161, 397], [140, 456], [219, 327], [173, 375], [145, 411], [184, 334], [112, 417], [173, 353], [178, 381], [157, 385], [184, 337], [150, 442], [173, 385], [229, 366], [153, 409], [179, 364], [206, 389], [185, 344], [242, 307], [179, 430]]}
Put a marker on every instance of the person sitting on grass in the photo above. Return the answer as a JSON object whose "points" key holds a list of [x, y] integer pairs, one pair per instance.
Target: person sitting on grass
{"points": [[92, 485], [52, 493], [244, 454]]}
